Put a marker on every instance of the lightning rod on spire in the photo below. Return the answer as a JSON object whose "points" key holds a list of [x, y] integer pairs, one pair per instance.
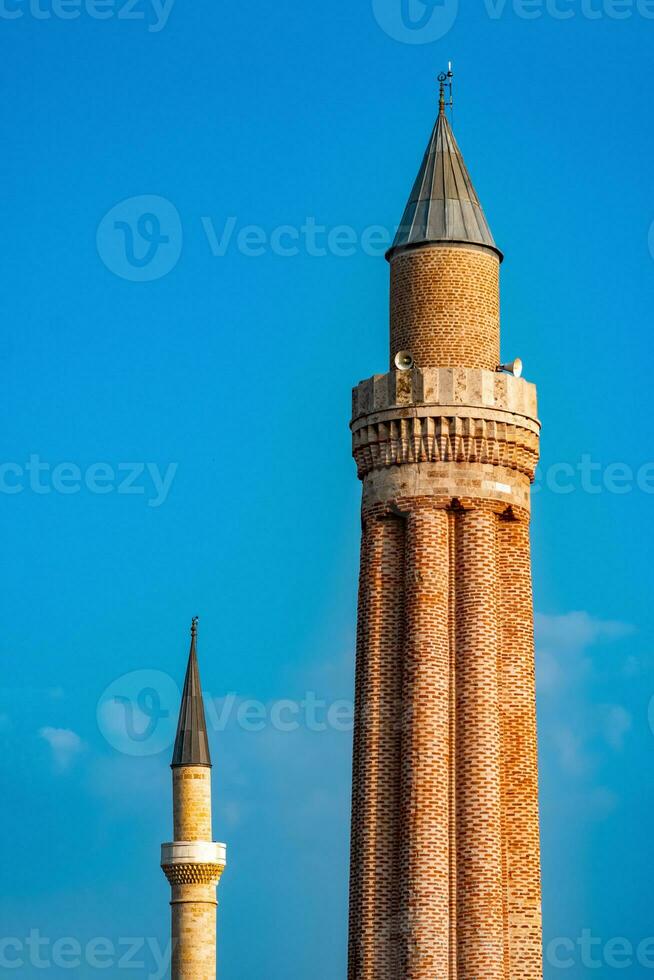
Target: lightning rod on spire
{"points": [[446, 98]]}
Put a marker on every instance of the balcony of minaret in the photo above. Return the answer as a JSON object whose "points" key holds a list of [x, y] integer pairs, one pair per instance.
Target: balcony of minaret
{"points": [[466, 431]]}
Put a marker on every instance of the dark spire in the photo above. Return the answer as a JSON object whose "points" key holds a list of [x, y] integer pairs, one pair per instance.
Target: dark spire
{"points": [[443, 206], [191, 744]]}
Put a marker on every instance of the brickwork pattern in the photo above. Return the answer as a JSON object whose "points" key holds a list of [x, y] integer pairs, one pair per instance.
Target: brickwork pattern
{"points": [[192, 803], [425, 829], [480, 903], [452, 889], [374, 901], [445, 306], [519, 752], [194, 932]]}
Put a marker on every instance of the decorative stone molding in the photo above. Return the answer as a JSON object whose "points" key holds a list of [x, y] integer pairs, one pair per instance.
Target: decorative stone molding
{"points": [[193, 874], [445, 415]]}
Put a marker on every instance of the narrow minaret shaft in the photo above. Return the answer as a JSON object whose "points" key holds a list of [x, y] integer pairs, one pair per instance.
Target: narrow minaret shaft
{"points": [[374, 899], [480, 905], [193, 863], [445, 864], [425, 828]]}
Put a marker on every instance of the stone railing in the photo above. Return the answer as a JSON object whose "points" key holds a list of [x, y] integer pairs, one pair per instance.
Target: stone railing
{"points": [[445, 415], [193, 862]]}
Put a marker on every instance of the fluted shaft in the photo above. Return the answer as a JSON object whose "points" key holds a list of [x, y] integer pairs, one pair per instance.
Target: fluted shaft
{"points": [[425, 763], [519, 752], [376, 805], [480, 900]]}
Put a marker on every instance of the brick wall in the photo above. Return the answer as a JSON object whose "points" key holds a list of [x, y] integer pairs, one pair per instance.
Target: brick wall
{"points": [[192, 803], [519, 752], [374, 898], [445, 306], [194, 932], [445, 712]]}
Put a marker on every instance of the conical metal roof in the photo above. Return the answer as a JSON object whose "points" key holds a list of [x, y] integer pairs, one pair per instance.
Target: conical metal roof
{"points": [[443, 206], [191, 743]]}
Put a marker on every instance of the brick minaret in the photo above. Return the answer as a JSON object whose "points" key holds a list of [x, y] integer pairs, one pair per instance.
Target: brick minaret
{"points": [[445, 871], [193, 864]]}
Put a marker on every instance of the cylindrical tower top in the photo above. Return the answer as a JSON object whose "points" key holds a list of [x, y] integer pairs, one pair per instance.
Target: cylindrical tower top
{"points": [[445, 306], [445, 265]]}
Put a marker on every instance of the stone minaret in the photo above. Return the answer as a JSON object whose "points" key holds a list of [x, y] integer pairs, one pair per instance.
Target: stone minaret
{"points": [[193, 864], [445, 868]]}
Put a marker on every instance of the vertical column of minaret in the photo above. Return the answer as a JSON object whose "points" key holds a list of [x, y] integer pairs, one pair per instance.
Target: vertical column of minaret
{"points": [[425, 766], [374, 910], [446, 450], [193, 863], [480, 904], [519, 751]]}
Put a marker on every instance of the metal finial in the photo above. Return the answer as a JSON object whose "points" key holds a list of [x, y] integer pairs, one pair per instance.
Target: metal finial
{"points": [[194, 626], [445, 78]]}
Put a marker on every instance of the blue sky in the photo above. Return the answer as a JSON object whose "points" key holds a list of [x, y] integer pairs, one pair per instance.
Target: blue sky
{"points": [[201, 402]]}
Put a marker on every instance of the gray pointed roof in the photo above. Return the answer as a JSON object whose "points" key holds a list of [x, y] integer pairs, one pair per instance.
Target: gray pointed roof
{"points": [[443, 206], [191, 743]]}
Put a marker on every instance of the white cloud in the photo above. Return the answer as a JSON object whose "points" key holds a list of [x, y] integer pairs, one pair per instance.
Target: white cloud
{"points": [[562, 643], [577, 630], [65, 745], [569, 670], [569, 747], [617, 723]]}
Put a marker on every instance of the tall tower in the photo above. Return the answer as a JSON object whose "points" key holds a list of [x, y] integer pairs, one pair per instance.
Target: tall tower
{"points": [[193, 864], [445, 865]]}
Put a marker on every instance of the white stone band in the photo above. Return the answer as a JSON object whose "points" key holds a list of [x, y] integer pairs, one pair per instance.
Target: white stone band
{"points": [[193, 852]]}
